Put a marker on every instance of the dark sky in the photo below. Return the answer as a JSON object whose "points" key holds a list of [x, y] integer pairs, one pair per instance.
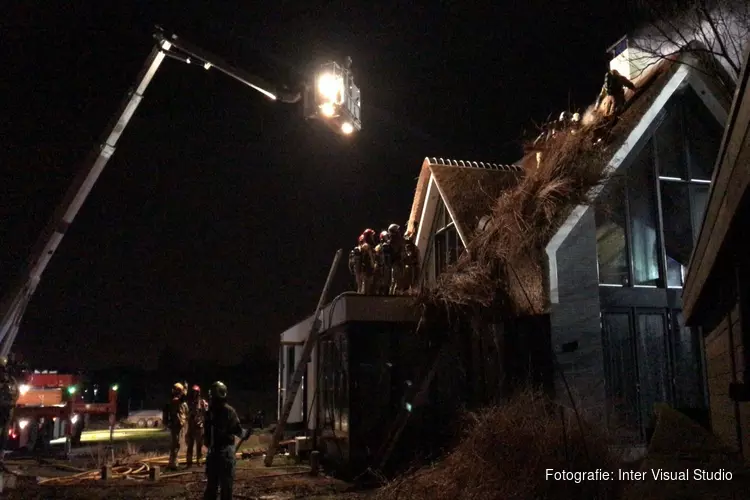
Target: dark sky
{"points": [[213, 226]]}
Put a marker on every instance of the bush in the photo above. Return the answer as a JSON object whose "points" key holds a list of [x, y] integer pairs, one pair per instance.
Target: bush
{"points": [[505, 452]]}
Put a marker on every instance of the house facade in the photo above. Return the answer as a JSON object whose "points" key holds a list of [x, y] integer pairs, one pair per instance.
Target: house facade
{"points": [[716, 295], [614, 274], [616, 267]]}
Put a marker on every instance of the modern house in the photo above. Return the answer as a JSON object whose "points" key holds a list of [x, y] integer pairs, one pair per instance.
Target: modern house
{"points": [[611, 284], [716, 294], [616, 268]]}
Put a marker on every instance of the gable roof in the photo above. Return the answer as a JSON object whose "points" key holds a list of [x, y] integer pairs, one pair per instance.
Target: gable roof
{"points": [[633, 128], [468, 190]]}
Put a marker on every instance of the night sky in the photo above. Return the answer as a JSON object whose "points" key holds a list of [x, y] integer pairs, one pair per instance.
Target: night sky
{"points": [[213, 226]]}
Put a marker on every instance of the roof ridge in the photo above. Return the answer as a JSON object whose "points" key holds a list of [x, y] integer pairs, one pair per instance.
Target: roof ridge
{"points": [[474, 164]]}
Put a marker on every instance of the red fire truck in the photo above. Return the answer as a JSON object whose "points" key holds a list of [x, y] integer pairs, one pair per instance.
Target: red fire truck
{"points": [[53, 405]]}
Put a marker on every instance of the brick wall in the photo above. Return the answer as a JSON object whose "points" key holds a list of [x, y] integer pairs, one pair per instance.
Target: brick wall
{"points": [[724, 365]]}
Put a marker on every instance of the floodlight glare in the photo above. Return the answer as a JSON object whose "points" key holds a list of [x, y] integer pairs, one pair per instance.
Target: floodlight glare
{"points": [[327, 109], [331, 88], [332, 98]]}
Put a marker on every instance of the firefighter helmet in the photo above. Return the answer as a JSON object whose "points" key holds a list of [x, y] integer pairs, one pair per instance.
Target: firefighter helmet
{"points": [[218, 390], [196, 388], [384, 236], [394, 228], [361, 239]]}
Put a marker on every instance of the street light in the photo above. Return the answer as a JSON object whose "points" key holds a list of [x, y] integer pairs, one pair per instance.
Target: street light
{"points": [[332, 98]]}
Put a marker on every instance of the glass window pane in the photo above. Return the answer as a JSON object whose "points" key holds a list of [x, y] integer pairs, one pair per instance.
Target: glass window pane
{"points": [[688, 371], [452, 237], [698, 201], [620, 374], [440, 253], [652, 364], [643, 220], [678, 238], [611, 250], [670, 143], [703, 134]]}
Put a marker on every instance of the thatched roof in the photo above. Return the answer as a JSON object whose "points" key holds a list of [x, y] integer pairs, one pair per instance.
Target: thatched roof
{"points": [[532, 200], [469, 189]]}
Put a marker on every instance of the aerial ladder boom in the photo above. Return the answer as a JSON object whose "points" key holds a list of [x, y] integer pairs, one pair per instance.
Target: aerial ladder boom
{"points": [[14, 304]]}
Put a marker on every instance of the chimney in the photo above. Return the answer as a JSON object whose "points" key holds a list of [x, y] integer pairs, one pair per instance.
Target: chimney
{"points": [[629, 60]]}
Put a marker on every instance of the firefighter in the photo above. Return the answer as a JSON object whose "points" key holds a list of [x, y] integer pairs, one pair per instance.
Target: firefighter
{"points": [[383, 262], [197, 407], [8, 397], [411, 263], [355, 263], [396, 241], [221, 426], [177, 418], [614, 86], [367, 269]]}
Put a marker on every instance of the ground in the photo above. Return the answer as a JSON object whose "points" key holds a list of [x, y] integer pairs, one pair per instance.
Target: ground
{"points": [[78, 477]]}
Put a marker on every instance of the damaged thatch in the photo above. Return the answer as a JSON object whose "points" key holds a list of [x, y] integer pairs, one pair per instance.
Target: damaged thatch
{"points": [[505, 264], [506, 452]]}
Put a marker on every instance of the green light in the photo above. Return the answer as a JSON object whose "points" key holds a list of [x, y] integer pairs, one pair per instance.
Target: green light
{"points": [[72, 390], [115, 387], [408, 407]]}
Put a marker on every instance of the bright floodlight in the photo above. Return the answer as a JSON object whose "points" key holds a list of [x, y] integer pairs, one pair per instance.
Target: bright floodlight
{"points": [[115, 387], [23, 389], [327, 109], [331, 88], [331, 97]]}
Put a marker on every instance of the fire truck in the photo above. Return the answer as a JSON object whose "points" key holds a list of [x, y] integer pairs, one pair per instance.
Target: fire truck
{"points": [[52, 405], [328, 96]]}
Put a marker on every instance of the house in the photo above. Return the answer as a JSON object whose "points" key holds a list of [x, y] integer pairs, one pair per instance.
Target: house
{"points": [[605, 296], [616, 267], [715, 296]]}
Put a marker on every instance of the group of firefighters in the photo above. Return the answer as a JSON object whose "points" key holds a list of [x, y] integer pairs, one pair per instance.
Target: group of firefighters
{"points": [[388, 266], [212, 423]]}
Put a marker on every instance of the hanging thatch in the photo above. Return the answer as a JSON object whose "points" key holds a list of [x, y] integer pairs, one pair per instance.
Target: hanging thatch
{"points": [[505, 262]]}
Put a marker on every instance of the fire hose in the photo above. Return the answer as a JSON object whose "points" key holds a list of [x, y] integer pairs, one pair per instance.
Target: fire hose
{"points": [[139, 471]]}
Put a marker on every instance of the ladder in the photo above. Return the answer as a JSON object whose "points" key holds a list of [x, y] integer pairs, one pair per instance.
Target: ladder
{"points": [[299, 371]]}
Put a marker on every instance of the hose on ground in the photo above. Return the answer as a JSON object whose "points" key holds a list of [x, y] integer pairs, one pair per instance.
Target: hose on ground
{"points": [[139, 470]]}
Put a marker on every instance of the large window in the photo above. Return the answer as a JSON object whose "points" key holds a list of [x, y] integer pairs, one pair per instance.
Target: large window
{"points": [[446, 244], [646, 234], [644, 221], [611, 234]]}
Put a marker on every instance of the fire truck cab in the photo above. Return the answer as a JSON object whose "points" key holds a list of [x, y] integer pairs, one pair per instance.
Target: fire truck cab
{"points": [[52, 405]]}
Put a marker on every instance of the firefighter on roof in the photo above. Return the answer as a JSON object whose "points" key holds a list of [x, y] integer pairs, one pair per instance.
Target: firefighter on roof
{"points": [[383, 264], [177, 418], [222, 425], [411, 263], [396, 241], [366, 248], [197, 407], [614, 86], [355, 263]]}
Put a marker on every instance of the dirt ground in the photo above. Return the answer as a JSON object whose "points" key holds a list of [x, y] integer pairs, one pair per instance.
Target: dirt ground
{"points": [[253, 481], [77, 476]]}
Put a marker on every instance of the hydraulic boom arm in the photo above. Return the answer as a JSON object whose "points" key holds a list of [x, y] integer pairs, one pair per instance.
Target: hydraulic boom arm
{"points": [[14, 304]]}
